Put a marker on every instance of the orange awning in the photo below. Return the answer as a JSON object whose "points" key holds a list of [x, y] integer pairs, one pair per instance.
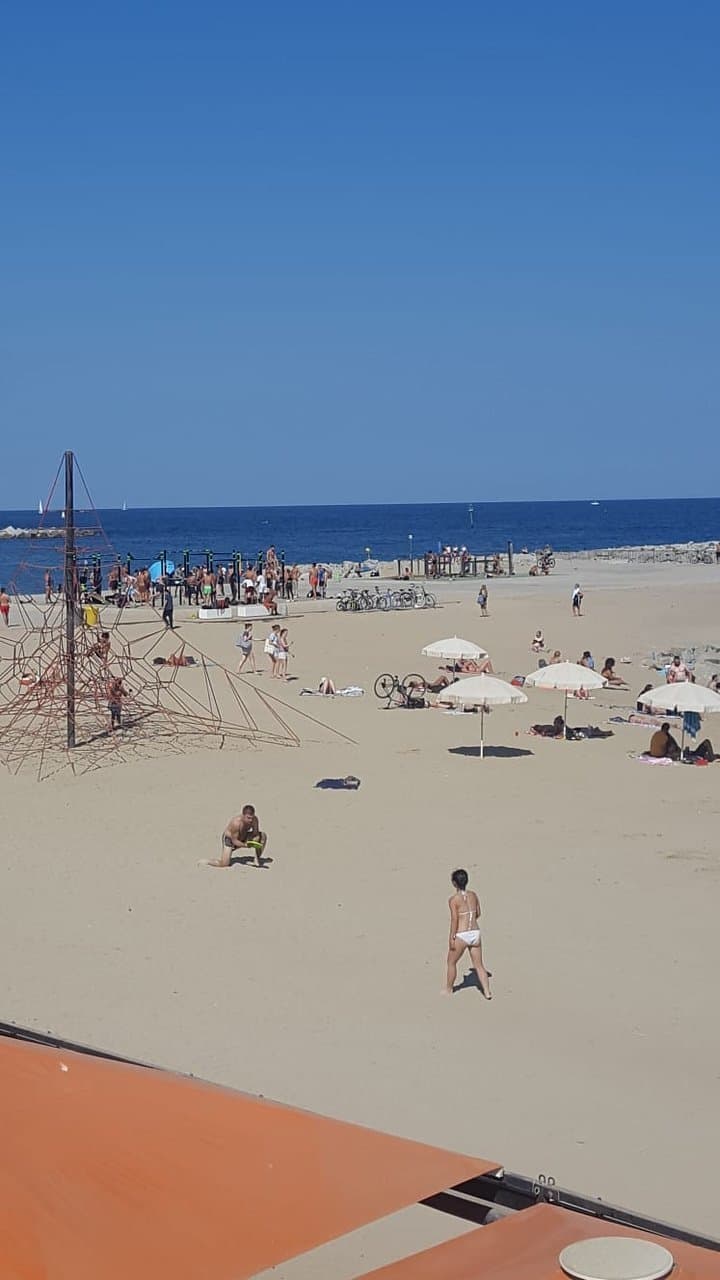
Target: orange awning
{"points": [[111, 1171], [526, 1245]]}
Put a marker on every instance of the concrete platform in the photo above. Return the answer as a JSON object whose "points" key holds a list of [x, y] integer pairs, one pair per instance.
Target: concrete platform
{"points": [[215, 615], [255, 612]]}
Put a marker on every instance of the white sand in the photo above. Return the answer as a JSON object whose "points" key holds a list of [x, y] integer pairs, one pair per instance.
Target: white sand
{"points": [[317, 980]]}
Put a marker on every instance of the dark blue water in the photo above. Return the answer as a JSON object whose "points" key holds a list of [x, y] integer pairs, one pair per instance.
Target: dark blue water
{"points": [[346, 532]]}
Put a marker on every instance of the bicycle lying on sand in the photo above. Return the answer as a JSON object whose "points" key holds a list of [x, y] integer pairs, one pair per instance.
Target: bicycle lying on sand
{"points": [[408, 692]]}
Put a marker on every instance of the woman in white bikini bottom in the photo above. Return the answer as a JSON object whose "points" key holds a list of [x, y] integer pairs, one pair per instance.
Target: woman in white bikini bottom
{"points": [[464, 934]]}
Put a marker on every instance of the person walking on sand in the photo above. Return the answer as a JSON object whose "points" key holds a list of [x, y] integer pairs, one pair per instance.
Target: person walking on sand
{"points": [[245, 645], [482, 599], [271, 648], [464, 933], [241, 832], [5, 606], [283, 653], [168, 608], [577, 599]]}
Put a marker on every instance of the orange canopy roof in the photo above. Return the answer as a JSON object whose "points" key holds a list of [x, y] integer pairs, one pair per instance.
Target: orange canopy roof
{"points": [[526, 1246], [112, 1171]]}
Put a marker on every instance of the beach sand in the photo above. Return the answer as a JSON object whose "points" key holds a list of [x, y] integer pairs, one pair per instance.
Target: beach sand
{"points": [[317, 980]]}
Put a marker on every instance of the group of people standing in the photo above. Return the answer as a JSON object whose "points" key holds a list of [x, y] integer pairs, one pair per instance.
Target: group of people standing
{"points": [[276, 649]]}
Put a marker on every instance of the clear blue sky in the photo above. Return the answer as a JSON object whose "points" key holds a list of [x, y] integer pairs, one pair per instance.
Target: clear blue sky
{"points": [[331, 251]]}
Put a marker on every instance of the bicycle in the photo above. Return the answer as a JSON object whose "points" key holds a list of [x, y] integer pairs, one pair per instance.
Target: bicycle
{"points": [[408, 692], [423, 599]]}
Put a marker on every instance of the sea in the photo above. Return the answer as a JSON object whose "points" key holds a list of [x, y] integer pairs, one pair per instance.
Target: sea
{"points": [[337, 533]]}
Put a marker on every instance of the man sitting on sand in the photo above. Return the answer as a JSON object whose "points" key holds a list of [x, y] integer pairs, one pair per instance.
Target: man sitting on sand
{"points": [[662, 745], [241, 832]]}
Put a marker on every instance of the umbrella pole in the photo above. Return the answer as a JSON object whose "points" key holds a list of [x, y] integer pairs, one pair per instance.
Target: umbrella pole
{"points": [[482, 721], [565, 717]]}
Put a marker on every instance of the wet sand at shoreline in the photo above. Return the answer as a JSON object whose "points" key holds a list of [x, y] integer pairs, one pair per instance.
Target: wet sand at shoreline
{"points": [[316, 981]]}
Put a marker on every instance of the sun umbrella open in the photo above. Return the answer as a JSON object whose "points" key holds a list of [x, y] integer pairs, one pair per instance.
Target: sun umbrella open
{"points": [[683, 696], [483, 692], [455, 650], [569, 677]]}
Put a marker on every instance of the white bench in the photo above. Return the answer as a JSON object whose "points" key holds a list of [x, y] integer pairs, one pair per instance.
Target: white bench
{"points": [[254, 612], [215, 615]]}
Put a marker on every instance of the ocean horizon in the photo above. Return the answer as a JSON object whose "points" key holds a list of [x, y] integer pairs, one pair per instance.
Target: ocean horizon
{"points": [[335, 533]]}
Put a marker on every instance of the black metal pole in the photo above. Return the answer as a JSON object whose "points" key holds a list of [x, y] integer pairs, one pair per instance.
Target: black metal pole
{"points": [[70, 592]]}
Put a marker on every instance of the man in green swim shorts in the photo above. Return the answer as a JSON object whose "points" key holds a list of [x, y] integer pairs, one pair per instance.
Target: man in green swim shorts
{"points": [[242, 832]]}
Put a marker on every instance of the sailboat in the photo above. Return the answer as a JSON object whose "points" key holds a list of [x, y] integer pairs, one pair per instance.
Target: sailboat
{"points": [[124, 506], [40, 508]]}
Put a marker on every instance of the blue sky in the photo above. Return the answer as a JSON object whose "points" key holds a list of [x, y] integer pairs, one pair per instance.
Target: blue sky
{"points": [[309, 252]]}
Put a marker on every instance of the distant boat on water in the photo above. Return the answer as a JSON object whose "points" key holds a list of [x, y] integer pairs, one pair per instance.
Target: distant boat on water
{"points": [[40, 508], [124, 506], [594, 504]]}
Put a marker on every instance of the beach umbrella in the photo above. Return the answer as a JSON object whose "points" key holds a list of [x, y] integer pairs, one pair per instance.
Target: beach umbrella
{"points": [[483, 692], [454, 649], [682, 697], [569, 677]]}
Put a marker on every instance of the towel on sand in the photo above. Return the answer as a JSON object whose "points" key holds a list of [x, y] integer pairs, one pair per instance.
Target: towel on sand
{"points": [[352, 691]]}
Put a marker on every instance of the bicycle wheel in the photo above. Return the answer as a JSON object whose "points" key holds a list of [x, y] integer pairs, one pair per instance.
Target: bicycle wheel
{"points": [[385, 685], [341, 604], [430, 600], [413, 684]]}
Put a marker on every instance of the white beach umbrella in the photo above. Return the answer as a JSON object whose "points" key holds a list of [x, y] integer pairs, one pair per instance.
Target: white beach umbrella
{"points": [[682, 696], [455, 649], [483, 692], [569, 677]]}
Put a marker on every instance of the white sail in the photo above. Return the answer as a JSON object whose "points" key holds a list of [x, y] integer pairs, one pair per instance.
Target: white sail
{"points": [[40, 508], [124, 506]]}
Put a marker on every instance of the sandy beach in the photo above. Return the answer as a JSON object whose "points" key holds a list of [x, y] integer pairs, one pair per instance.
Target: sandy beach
{"points": [[317, 980]]}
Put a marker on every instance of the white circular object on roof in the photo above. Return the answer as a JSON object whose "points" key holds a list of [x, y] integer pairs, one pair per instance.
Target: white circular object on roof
{"points": [[616, 1258]]}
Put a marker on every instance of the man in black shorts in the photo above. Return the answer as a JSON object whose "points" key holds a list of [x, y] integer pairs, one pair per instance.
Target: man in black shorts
{"points": [[241, 832]]}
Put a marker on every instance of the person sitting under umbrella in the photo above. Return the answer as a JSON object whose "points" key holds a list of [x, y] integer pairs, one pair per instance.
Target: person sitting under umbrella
{"points": [[472, 666], [704, 751], [662, 745]]}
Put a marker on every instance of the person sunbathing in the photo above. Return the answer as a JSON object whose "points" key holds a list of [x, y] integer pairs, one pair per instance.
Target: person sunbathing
{"points": [[704, 751], [609, 673], [557, 657], [439, 683], [472, 666], [554, 730]]}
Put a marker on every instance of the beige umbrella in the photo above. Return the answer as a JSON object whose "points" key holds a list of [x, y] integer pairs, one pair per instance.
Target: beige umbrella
{"points": [[682, 696], [455, 649], [483, 692], [569, 677]]}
